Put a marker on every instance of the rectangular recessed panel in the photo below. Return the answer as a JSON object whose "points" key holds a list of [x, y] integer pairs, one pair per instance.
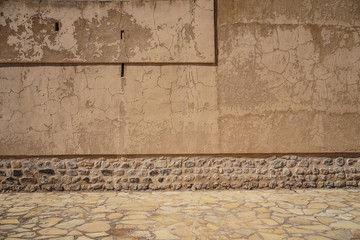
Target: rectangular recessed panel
{"points": [[169, 31], [52, 31], [59, 31]]}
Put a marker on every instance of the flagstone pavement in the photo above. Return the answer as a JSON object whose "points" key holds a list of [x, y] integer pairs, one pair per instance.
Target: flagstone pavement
{"points": [[256, 214]]}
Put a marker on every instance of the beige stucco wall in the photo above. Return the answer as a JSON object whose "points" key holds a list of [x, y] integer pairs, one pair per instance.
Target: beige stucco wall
{"points": [[180, 31], [287, 80]]}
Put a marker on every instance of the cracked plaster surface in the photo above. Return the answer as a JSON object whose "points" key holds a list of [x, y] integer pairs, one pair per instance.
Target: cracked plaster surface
{"points": [[92, 109], [289, 76], [155, 31], [287, 80]]}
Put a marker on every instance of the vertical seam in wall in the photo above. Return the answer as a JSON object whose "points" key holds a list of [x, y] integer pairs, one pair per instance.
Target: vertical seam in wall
{"points": [[216, 72], [216, 32]]}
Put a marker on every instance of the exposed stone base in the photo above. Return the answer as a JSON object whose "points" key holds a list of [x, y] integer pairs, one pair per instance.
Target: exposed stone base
{"points": [[177, 173]]}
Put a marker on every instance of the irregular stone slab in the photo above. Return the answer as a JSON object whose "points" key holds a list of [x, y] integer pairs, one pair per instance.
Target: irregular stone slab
{"points": [[7, 227], [52, 231], [165, 234], [346, 225], [70, 224], [9, 221], [97, 226], [49, 222]]}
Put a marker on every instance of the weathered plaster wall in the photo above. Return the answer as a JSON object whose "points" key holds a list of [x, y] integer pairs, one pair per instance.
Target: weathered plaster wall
{"points": [[289, 76], [107, 31], [92, 110], [287, 80]]}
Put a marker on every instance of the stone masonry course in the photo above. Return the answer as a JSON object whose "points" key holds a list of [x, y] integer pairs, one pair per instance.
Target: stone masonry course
{"points": [[178, 173]]}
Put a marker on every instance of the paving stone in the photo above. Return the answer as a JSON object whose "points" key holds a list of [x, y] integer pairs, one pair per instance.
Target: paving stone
{"points": [[23, 235], [317, 205], [97, 226], [70, 224], [270, 236], [345, 225], [9, 221], [257, 214], [84, 238], [49, 222], [165, 234], [97, 235], [141, 234], [74, 233], [52, 231], [7, 227]]}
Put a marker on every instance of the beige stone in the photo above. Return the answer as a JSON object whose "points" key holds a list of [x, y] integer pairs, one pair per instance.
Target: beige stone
{"points": [[212, 226], [115, 216], [135, 217], [312, 211], [272, 236], [141, 234], [70, 224], [164, 234], [278, 219], [274, 231], [298, 230], [254, 236], [9, 221], [24, 235], [137, 221], [19, 209], [52, 231], [326, 220], [49, 222], [270, 222], [337, 204], [316, 227], [83, 238], [96, 226], [317, 205], [102, 210], [314, 237], [7, 226], [74, 233], [98, 234], [345, 225]]}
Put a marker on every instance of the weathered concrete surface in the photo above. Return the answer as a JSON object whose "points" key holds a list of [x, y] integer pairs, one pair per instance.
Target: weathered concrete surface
{"points": [[91, 32], [287, 80]]}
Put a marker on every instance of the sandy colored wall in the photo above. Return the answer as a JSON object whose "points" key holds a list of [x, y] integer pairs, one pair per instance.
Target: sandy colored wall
{"points": [[287, 79], [55, 31]]}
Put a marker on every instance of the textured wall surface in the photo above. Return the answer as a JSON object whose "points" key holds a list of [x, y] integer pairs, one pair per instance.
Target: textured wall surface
{"points": [[289, 76], [90, 31], [287, 80], [178, 173]]}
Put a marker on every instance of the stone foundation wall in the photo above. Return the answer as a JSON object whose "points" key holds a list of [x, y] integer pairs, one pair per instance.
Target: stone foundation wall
{"points": [[177, 173]]}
